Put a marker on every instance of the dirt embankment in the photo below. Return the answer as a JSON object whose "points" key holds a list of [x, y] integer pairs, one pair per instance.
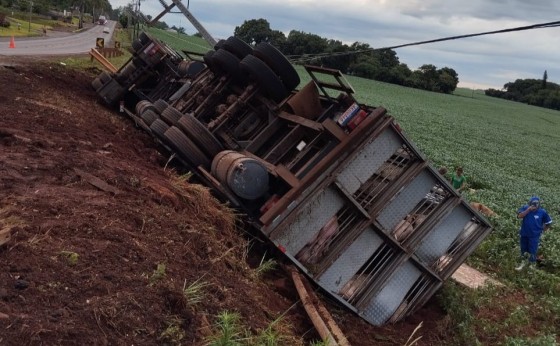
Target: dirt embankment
{"points": [[105, 234]]}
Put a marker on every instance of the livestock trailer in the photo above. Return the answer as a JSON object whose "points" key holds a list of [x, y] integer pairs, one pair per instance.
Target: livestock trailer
{"points": [[335, 184]]}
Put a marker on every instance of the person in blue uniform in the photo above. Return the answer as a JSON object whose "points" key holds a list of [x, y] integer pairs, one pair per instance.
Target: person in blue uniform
{"points": [[535, 221]]}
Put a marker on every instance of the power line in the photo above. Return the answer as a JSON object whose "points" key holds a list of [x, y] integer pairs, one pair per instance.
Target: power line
{"points": [[521, 28], [308, 57]]}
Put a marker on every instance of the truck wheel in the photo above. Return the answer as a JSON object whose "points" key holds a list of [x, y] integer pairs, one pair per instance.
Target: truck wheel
{"points": [[186, 148], [183, 67], [228, 63], [190, 69], [209, 61], [194, 69], [149, 117], [199, 134], [138, 62], [127, 70], [144, 38], [158, 128], [160, 105], [96, 84], [171, 115], [137, 45], [112, 92], [267, 80], [99, 81], [104, 77], [278, 63], [143, 106], [237, 46], [139, 108], [219, 44]]}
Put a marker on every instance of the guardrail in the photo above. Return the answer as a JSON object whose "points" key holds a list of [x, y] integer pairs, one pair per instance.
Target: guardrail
{"points": [[99, 56]]}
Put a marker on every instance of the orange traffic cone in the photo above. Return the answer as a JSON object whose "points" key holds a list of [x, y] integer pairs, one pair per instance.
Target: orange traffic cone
{"points": [[12, 43]]}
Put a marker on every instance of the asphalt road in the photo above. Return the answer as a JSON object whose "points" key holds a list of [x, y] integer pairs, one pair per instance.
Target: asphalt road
{"points": [[78, 43]]}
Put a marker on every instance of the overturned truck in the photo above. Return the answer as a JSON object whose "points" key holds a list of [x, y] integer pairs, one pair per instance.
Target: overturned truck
{"points": [[333, 183]]}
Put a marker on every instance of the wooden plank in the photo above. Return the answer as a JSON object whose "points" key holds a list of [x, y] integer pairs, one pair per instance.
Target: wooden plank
{"points": [[472, 278], [95, 181], [334, 129], [288, 176], [312, 312], [5, 235], [301, 121]]}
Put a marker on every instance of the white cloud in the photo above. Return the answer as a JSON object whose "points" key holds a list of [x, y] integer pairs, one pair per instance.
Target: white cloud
{"points": [[484, 60]]}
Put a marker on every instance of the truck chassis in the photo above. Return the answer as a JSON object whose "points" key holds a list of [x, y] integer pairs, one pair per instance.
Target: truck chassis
{"points": [[335, 184]]}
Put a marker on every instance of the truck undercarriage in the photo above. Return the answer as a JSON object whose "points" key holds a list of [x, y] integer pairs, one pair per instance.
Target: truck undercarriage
{"points": [[333, 183]]}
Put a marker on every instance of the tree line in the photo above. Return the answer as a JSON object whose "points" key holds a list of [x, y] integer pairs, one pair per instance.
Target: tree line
{"points": [[358, 59], [536, 92], [44, 6]]}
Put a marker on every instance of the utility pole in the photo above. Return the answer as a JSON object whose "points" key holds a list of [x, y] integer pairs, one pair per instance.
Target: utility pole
{"points": [[30, 9], [137, 25], [81, 20]]}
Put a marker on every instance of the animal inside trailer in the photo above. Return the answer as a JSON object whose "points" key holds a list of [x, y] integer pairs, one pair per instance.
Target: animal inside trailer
{"points": [[333, 183]]}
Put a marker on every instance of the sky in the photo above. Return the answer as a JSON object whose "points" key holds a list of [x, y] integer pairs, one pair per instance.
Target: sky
{"points": [[481, 62]]}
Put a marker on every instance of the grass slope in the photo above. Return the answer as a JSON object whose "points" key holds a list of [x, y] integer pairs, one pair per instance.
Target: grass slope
{"points": [[180, 42]]}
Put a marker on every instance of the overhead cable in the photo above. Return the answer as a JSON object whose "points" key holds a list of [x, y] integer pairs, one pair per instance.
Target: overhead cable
{"points": [[308, 57]]}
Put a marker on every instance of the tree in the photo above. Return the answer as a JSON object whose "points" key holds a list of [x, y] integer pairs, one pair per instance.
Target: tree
{"points": [[253, 31], [277, 39], [357, 59], [447, 80], [300, 43], [429, 77], [530, 91], [123, 19], [544, 78], [364, 69], [337, 58], [387, 58], [446, 83], [399, 74]]}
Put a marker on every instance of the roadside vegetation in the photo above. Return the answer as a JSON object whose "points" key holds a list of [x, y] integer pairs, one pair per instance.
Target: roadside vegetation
{"points": [[20, 23], [537, 92]]}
